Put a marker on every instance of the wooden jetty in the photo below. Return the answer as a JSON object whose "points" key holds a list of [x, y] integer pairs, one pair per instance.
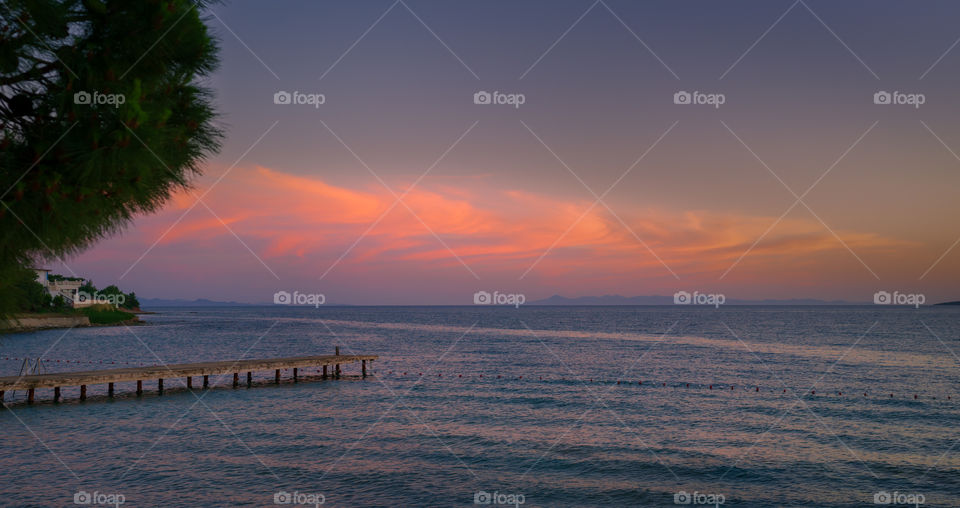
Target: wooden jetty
{"points": [[182, 370]]}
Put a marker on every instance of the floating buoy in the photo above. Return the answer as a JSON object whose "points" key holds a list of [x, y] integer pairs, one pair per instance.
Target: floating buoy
{"points": [[459, 375], [688, 385], [711, 387], [758, 389]]}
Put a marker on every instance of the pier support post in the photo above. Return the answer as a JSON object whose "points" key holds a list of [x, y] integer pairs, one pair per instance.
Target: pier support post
{"points": [[249, 379], [206, 381], [294, 374], [139, 387], [324, 372], [110, 389], [160, 386], [30, 396], [83, 392], [189, 382], [336, 368], [236, 379], [276, 376], [56, 394], [363, 368]]}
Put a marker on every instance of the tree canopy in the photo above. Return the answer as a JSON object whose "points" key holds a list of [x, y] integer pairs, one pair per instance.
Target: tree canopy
{"points": [[103, 115]]}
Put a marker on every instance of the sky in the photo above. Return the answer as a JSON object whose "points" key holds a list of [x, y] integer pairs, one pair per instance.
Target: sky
{"points": [[400, 189]]}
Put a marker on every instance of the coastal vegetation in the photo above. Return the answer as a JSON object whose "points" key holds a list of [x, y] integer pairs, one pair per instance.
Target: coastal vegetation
{"points": [[91, 133]]}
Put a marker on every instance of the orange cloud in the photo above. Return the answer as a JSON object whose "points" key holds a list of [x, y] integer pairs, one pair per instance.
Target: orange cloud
{"points": [[288, 217]]}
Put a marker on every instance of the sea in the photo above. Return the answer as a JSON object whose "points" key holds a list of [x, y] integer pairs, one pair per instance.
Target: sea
{"points": [[752, 406]]}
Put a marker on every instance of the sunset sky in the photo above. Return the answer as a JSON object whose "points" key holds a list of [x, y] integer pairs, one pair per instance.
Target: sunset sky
{"points": [[496, 197]]}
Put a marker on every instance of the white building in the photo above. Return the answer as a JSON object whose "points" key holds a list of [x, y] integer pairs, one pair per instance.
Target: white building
{"points": [[68, 289]]}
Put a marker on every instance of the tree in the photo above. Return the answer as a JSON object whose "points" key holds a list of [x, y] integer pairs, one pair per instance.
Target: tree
{"points": [[102, 118]]}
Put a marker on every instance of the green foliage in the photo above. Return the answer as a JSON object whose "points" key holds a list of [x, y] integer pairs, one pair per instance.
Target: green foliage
{"points": [[59, 304], [131, 301], [105, 315], [73, 173]]}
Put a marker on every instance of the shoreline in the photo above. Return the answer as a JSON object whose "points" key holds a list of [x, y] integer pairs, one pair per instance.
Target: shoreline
{"points": [[36, 322]]}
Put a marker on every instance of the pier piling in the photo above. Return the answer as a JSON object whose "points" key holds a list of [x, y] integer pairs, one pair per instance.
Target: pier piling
{"points": [[110, 377]]}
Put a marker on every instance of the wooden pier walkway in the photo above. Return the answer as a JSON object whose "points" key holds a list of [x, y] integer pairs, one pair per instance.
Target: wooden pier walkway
{"points": [[182, 370]]}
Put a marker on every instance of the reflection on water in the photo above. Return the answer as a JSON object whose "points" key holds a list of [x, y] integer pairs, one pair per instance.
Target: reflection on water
{"points": [[555, 436]]}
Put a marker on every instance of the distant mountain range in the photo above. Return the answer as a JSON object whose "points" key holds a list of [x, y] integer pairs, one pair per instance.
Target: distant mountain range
{"points": [[668, 300], [179, 302]]}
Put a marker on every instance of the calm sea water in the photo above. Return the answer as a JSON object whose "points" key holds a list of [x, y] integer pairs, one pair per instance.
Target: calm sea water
{"points": [[447, 415]]}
